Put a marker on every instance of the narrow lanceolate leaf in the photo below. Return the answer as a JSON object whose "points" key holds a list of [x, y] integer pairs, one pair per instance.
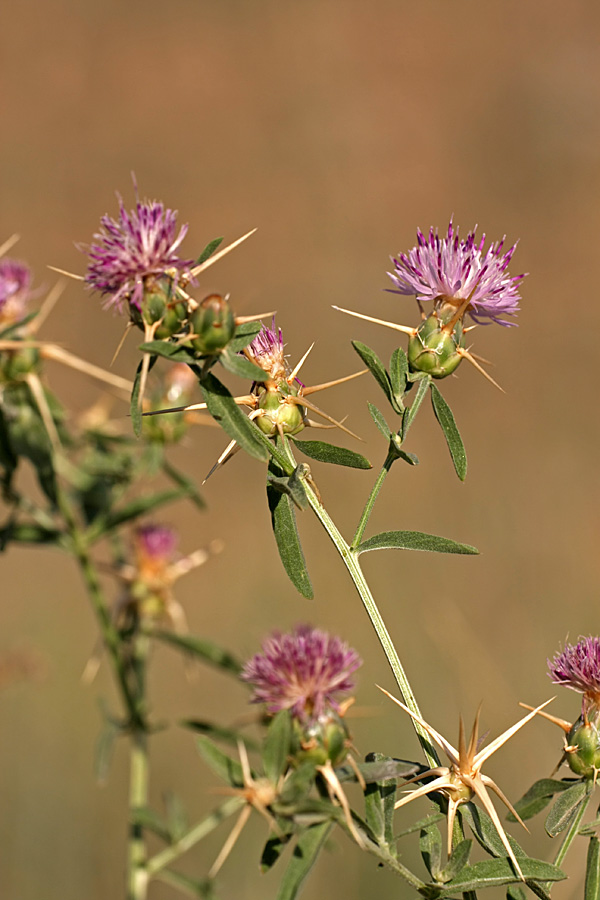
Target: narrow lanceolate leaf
{"points": [[200, 648], [135, 407], [414, 540], [592, 871], [277, 745], [218, 733], [565, 808], [537, 797], [377, 369], [188, 485], [239, 365], [209, 250], [303, 859], [430, 844], [398, 373], [172, 352], [457, 861], [329, 453], [496, 872], [243, 335], [443, 414], [486, 832], [283, 519], [379, 420], [224, 410], [226, 768], [147, 818], [27, 533], [380, 793]]}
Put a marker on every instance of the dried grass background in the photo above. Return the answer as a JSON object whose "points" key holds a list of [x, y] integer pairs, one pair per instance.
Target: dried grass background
{"points": [[336, 127]]}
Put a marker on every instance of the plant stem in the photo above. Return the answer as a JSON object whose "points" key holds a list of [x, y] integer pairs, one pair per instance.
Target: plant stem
{"points": [[191, 837], [137, 880], [362, 524]]}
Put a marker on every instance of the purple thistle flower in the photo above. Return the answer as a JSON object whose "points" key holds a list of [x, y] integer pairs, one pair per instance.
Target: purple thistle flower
{"points": [[140, 243], [305, 671], [450, 270], [15, 289], [578, 668], [266, 350], [155, 544]]}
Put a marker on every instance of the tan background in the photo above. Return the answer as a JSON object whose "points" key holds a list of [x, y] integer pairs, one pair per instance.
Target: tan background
{"points": [[336, 128]]}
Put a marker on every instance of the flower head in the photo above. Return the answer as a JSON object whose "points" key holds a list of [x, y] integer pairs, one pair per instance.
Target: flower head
{"points": [[578, 668], [266, 350], [306, 672], [155, 547], [137, 246], [456, 273], [15, 290]]}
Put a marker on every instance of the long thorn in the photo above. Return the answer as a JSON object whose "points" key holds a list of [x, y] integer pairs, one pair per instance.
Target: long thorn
{"points": [[47, 307], [327, 384], [465, 353], [68, 274], [35, 386], [241, 320], [216, 256], [300, 401], [128, 328], [298, 366], [403, 328], [10, 242], [53, 351]]}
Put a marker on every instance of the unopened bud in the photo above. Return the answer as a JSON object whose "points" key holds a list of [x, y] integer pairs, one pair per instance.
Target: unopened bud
{"points": [[433, 350], [583, 753], [279, 413], [212, 324], [320, 740]]}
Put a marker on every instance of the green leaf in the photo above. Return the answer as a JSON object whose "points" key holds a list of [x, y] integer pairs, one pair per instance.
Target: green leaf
{"points": [[27, 533], [172, 352], [226, 768], [176, 816], [379, 420], [495, 872], [413, 540], [457, 861], [380, 793], [139, 507], [149, 820], [223, 408], [565, 808], [244, 334], [203, 890], [329, 453], [291, 485], [241, 366], [486, 832], [514, 892], [218, 733], [410, 413], [592, 871], [377, 369], [305, 854], [398, 373], [379, 768], [422, 823], [283, 520], [135, 407], [589, 828], [201, 648], [273, 849], [538, 797], [187, 484], [444, 416], [430, 844], [277, 745], [209, 250]]}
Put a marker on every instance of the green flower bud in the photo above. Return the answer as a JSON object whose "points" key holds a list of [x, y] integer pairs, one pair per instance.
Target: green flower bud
{"points": [[321, 740], [585, 760], [212, 324], [279, 412], [14, 364], [433, 350]]}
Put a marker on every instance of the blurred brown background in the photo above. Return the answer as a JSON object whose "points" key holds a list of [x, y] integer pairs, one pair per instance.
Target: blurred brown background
{"points": [[336, 128]]}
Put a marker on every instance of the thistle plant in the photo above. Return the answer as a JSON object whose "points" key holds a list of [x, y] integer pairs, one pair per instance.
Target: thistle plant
{"points": [[294, 763]]}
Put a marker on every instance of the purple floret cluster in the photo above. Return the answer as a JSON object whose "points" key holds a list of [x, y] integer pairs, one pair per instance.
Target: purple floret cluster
{"points": [[307, 672], [450, 269], [138, 244], [15, 289], [578, 667], [156, 542]]}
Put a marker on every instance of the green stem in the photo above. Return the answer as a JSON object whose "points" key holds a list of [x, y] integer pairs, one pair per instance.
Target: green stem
{"points": [[191, 837], [137, 879], [570, 836], [366, 513]]}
